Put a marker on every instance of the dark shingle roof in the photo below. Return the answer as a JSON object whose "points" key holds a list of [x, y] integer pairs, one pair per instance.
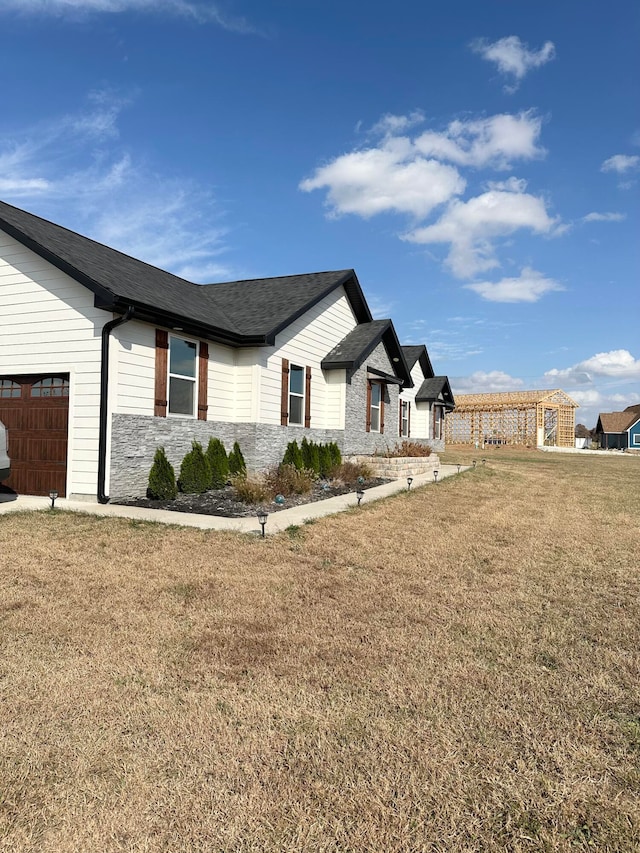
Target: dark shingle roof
{"points": [[431, 389], [361, 341], [413, 353], [249, 312]]}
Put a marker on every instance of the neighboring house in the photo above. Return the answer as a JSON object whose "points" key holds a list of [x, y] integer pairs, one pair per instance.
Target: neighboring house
{"points": [[424, 404], [103, 358], [619, 430]]}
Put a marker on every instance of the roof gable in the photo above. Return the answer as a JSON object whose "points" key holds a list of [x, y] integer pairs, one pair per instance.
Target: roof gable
{"points": [[419, 353], [616, 422], [353, 349], [435, 388]]}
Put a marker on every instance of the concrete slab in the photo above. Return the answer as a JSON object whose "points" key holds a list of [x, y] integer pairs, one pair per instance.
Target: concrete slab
{"points": [[276, 522]]}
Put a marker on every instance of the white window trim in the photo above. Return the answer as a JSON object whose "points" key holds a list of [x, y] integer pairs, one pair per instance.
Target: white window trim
{"points": [[636, 439], [193, 379], [295, 394], [404, 418], [377, 408]]}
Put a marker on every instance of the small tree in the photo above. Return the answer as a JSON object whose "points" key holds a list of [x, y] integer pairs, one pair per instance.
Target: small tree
{"points": [[237, 464], [195, 473], [305, 451], [218, 463], [293, 456], [162, 478]]}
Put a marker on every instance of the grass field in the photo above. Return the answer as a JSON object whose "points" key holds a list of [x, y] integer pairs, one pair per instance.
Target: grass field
{"points": [[453, 669]]}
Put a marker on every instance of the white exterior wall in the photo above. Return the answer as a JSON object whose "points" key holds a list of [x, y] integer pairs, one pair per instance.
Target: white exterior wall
{"points": [[420, 412], [306, 342], [48, 324]]}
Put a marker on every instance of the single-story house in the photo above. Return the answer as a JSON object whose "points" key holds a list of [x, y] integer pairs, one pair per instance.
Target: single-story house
{"points": [[619, 430], [104, 358]]}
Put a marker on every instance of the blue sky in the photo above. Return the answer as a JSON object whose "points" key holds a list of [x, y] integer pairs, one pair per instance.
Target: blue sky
{"points": [[477, 164]]}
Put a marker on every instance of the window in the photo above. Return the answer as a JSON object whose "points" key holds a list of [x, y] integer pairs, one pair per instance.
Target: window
{"points": [[374, 411], [296, 395], [437, 422], [182, 376], [51, 386], [9, 388], [404, 418], [636, 439]]}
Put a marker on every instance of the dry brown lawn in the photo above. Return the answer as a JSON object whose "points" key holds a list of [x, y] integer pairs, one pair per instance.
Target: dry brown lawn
{"points": [[453, 669]]}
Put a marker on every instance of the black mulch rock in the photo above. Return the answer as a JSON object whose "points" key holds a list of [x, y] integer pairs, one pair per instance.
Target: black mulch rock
{"points": [[224, 502]]}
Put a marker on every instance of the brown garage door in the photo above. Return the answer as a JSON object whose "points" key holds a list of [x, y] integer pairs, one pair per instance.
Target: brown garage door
{"points": [[35, 411]]}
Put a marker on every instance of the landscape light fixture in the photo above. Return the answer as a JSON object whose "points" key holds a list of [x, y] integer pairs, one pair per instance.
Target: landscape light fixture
{"points": [[53, 494], [484, 461], [475, 462], [409, 481], [435, 475], [459, 466], [262, 520], [359, 495]]}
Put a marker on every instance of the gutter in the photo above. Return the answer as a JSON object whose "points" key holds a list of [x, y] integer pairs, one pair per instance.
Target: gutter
{"points": [[104, 404]]}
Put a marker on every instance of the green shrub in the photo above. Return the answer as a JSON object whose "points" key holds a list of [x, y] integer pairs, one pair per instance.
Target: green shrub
{"points": [[218, 463], [195, 473], [305, 451], [293, 455], [336, 456], [162, 478], [237, 464], [325, 459]]}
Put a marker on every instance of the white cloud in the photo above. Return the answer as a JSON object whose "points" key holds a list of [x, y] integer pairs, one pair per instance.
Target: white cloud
{"points": [[469, 227], [391, 124], [202, 12], [616, 364], [74, 171], [513, 57], [494, 141], [482, 382], [621, 163], [528, 287], [390, 178], [407, 176], [604, 217]]}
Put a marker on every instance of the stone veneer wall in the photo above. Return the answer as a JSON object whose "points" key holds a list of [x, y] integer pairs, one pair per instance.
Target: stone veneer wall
{"points": [[357, 441], [135, 438]]}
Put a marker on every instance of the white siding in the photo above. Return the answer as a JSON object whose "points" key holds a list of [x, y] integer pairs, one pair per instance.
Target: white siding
{"points": [[135, 366], [420, 412], [48, 324], [306, 342]]}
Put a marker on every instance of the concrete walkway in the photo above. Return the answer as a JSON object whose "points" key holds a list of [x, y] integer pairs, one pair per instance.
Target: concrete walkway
{"points": [[276, 522]]}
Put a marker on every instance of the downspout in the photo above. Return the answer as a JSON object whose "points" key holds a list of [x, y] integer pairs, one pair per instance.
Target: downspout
{"points": [[104, 401]]}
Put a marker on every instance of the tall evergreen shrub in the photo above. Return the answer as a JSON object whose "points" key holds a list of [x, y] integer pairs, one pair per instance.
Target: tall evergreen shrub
{"points": [[162, 479], [293, 456], [218, 463], [237, 464], [195, 473]]}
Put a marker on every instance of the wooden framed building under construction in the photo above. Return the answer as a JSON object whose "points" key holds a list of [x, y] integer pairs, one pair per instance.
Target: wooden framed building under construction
{"points": [[534, 418]]}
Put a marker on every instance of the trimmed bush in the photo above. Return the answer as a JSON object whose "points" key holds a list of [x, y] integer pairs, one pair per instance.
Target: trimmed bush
{"points": [[293, 456], [195, 473], [336, 455], [237, 464], [162, 478], [250, 490], [218, 463]]}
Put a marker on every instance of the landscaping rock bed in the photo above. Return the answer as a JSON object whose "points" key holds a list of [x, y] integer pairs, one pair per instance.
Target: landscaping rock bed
{"points": [[224, 502]]}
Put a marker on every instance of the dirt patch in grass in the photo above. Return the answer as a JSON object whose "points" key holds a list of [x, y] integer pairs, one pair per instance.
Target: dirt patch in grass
{"points": [[454, 668]]}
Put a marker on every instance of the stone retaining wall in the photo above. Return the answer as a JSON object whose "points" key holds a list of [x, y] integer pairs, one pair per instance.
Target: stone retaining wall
{"points": [[399, 467]]}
